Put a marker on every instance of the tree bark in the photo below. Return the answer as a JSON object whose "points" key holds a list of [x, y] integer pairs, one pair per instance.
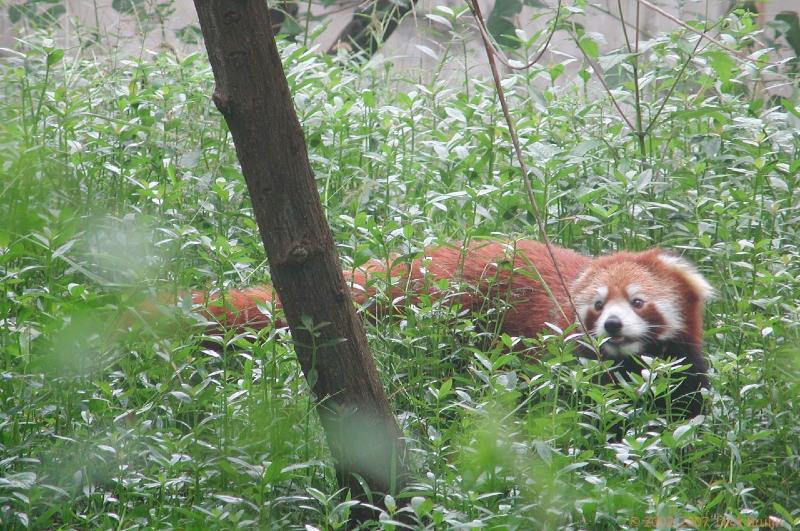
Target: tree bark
{"points": [[253, 95]]}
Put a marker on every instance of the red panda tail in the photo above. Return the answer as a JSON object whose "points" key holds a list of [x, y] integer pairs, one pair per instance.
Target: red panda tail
{"points": [[402, 283], [238, 308], [253, 307]]}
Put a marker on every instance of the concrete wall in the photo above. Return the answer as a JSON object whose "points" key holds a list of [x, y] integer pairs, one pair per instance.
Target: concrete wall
{"points": [[418, 44]]}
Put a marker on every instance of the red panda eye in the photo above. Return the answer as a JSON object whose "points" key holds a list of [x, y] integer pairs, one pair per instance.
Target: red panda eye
{"points": [[598, 305], [637, 303]]}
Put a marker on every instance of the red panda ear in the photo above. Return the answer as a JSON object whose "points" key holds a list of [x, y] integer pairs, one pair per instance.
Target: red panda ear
{"points": [[689, 272]]}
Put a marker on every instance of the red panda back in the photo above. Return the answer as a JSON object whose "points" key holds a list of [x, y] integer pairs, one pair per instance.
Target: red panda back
{"points": [[513, 273], [506, 271]]}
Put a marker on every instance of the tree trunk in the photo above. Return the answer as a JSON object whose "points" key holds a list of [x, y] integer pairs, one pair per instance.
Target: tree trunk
{"points": [[253, 95]]}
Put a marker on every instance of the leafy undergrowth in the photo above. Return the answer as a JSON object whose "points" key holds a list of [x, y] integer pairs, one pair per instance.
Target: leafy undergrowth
{"points": [[120, 181]]}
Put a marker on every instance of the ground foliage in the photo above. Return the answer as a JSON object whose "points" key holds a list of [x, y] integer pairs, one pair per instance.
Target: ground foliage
{"points": [[120, 181]]}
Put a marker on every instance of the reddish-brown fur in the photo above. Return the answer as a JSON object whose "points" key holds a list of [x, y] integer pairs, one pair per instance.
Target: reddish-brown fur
{"points": [[646, 268], [484, 270], [510, 272], [486, 267]]}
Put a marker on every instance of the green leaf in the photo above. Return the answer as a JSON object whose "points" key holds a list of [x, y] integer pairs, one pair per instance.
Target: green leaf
{"points": [[789, 106], [722, 64], [55, 56], [589, 46], [793, 33], [180, 395], [501, 23], [126, 6], [15, 13], [444, 390], [369, 98], [51, 15]]}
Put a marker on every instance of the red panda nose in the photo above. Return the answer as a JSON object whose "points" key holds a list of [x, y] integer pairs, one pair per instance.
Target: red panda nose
{"points": [[613, 325]]}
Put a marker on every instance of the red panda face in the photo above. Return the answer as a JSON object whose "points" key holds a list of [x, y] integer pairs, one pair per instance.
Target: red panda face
{"points": [[631, 301]]}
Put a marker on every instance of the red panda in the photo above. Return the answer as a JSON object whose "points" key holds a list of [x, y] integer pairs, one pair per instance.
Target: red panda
{"points": [[646, 303]]}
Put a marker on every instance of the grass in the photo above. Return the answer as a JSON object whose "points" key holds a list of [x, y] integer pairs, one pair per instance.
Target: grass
{"points": [[120, 181]]}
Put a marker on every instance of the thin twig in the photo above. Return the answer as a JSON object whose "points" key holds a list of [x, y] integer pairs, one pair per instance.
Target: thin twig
{"points": [[624, 29], [609, 14], [637, 90], [501, 56], [476, 10], [599, 72], [635, 64], [737, 54], [666, 98]]}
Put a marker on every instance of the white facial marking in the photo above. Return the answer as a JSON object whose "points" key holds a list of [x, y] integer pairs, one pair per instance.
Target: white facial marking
{"points": [[634, 329], [667, 307], [631, 349], [673, 320], [633, 326], [690, 273], [583, 308], [617, 351], [633, 291], [581, 278], [602, 293]]}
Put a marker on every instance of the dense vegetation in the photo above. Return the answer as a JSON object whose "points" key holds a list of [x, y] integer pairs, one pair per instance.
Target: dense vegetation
{"points": [[120, 181]]}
